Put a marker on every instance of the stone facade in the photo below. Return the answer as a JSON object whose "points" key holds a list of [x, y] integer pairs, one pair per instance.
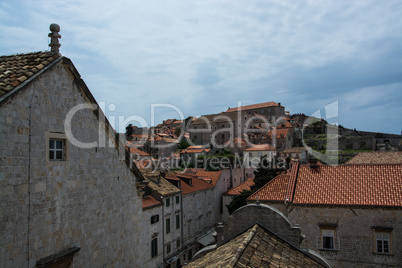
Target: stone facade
{"points": [[89, 200], [355, 228]]}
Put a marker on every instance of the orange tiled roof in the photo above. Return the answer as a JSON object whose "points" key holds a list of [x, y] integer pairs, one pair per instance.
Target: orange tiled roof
{"points": [[275, 190], [351, 185], [244, 186], [377, 158], [209, 175], [16, 70], [261, 147], [279, 132], [253, 106], [150, 201], [137, 151], [194, 151], [196, 185]]}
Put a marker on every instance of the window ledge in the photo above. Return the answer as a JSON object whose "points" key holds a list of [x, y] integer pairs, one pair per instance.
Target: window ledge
{"points": [[383, 254], [328, 249]]}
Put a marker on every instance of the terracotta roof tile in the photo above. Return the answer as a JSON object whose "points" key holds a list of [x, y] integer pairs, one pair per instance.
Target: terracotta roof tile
{"points": [[137, 151], [187, 187], [354, 185], [213, 176], [275, 190], [377, 158], [253, 106], [366, 185], [244, 186], [16, 69], [150, 201], [280, 133], [261, 147]]}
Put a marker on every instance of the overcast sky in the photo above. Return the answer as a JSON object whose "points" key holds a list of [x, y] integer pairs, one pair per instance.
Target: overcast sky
{"points": [[205, 56]]}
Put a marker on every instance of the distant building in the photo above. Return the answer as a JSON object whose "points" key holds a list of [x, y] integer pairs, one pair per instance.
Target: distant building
{"points": [[216, 130]]}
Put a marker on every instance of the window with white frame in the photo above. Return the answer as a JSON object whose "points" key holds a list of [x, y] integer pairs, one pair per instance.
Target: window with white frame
{"points": [[328, 239], [56, 149], [382, 240]]}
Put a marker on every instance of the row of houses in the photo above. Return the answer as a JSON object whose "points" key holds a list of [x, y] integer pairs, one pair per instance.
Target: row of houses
{"points": [[183, 209]]}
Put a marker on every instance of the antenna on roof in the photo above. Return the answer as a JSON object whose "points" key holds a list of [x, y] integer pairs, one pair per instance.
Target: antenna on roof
{"points": [[54, 37]]}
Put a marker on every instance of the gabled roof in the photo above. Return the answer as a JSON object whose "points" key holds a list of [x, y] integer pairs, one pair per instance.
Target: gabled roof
{"points": [[240, 188], [256, 247], [194, 150], [150, 202], [275, 190], [294, 150], [253, 106], [137, 151], [196, 183], [261, 147], [164, 187], [280, 133], [344, 185], [216, 118], [17, 70], [212, 176], [377, 158]]}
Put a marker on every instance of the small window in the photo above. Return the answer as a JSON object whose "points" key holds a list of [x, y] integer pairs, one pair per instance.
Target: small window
{"points": [[177, 221], [56, 149], [154, 219], [168, 248], [383, 240], [328, 239], [154, 247], [168, 225], [167, 201], [178, 243], [177, 199]]}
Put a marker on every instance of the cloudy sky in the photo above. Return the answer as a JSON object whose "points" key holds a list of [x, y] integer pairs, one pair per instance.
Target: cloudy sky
{"points": [[205, 56]]}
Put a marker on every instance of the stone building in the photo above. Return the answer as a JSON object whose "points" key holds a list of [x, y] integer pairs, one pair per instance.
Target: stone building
{"points": [[351, 214], [258, 235], [165, 237], [67, 195], [198, 208], [216, 130], [253, 155], [228, 196]]}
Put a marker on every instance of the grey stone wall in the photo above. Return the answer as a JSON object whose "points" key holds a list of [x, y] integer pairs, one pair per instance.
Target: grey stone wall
{"points": [[354, 229], [266, 216], [90, 200]]}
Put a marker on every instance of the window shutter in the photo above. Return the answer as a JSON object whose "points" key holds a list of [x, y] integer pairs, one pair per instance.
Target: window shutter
{"points": [[337, 244]]}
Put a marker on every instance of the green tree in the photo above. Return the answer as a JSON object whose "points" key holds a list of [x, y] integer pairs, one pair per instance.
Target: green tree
{"points": [[129, 130], [264, 173], [183, 144], [239, 200], [177, 131]]}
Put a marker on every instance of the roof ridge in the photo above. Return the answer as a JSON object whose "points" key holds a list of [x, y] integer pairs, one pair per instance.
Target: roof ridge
{"points": [[242, 247], [292, 183]]}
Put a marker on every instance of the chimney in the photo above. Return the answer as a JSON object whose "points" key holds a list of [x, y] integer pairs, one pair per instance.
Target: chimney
{"points": [[54, 37], [313, 162], [279, 104]]}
